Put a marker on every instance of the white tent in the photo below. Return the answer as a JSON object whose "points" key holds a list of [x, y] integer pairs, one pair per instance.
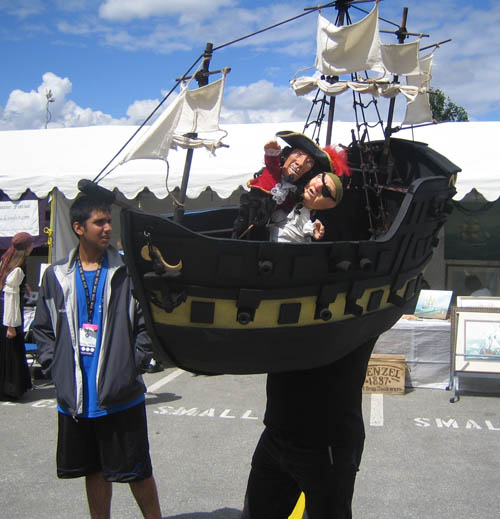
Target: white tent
{"points": [[58, 158], [41, 160]]}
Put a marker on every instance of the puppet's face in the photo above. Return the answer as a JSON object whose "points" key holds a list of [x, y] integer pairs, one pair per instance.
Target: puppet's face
{"points": [[297, 164], [320, 192]]}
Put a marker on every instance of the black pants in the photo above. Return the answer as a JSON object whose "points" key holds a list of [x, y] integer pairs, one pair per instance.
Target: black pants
{"points": [[115, 444], [281, 470]]}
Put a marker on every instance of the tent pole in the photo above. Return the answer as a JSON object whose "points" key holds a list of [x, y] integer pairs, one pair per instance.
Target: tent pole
{"points": [[50, 229]]}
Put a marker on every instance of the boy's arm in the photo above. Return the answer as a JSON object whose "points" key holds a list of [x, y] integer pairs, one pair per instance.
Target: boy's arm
{"points": [[43, 330]]}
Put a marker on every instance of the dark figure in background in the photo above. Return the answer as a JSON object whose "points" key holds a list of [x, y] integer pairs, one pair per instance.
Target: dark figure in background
{"points": [[475, 288], [95, 357], [280, 184], [312, 443], [15, 378]]}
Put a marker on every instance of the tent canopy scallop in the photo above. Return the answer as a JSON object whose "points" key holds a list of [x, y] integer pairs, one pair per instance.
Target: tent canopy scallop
{"points": [[41, 160]]}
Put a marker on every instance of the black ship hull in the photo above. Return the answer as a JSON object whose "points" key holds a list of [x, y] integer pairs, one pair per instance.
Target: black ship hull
{"points": [[236, 306]]}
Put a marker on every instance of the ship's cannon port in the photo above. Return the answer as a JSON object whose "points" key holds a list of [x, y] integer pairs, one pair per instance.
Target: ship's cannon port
{"points": [[243, 317], [325, 314], [366, 264], [265, 267]]}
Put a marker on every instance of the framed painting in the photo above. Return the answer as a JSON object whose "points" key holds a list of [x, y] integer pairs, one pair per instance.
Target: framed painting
{"points": [[476, 337], [478, 302], [433, 304]]}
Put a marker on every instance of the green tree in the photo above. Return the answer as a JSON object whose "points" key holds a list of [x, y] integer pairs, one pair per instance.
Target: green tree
{"points": [[444, 109]]}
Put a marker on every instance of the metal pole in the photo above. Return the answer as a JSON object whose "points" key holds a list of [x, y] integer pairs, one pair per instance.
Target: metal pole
{"points": [[202, 79], [179, 210]]}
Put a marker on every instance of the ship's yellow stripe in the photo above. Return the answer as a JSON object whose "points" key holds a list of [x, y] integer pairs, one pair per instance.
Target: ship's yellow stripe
{"points": [[266, 315]]}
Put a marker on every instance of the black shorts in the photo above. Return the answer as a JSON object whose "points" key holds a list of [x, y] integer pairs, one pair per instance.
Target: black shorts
{"points": [[115, 444]]}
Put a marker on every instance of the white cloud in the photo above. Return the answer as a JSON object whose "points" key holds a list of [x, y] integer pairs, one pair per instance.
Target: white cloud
{"points": [[184, 27], [28, 110], [161, 40], [258, 102], [138, 111], [81, 28], [72, 5], [465, 67], [74, 115], [22, 8], [263, 101], [126, 10]]}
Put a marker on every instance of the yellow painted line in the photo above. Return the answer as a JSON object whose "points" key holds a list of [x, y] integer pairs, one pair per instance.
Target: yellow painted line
{"points": [[267, 314]]}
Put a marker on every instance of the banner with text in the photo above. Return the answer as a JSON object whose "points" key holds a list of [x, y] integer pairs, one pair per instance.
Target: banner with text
{"points": [[24, 215]]}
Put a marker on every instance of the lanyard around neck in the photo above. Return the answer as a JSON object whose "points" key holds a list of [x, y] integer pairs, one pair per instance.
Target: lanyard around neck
{"points": [[90, 299]]}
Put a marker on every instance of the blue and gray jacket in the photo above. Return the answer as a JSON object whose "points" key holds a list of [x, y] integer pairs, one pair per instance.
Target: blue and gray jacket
{"points": [[125, 349]]}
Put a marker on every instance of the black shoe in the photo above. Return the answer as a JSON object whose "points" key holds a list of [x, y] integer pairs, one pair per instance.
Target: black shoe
{"points": [[155, 368]]}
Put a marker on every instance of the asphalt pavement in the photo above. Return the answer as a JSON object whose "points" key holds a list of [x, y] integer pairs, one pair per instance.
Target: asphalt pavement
{"points": [[424, 456]]}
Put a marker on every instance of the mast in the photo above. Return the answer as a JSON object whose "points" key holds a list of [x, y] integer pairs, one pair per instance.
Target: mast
{"points": [[402, 34], [342, 7], [202, 79]]}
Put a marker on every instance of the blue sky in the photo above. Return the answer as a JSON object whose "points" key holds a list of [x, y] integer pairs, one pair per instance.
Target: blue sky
{"points": [[111, 61]]}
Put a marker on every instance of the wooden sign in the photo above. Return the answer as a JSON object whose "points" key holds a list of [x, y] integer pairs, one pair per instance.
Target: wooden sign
{"points": [[385, 374]]}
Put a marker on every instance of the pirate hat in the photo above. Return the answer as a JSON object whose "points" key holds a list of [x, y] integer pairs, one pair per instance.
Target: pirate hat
{"points": [[322, 160]]}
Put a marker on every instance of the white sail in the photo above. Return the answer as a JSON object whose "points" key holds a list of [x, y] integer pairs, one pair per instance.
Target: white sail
{"points": [[307, 84], [201, 110], [193, 111], [419, 110], [401, 59], [155, 143], [355, 48], [349, 48]]}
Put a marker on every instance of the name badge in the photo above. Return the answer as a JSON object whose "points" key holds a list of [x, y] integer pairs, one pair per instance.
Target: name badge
{"points": [[88, 338]]}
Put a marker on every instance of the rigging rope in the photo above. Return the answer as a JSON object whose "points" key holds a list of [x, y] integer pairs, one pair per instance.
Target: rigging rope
{"points": [[100, 176], [265, 29], [97, 179]]}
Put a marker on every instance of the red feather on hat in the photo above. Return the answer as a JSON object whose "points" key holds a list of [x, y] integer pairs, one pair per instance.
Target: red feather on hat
{"points": [[338, 156]]}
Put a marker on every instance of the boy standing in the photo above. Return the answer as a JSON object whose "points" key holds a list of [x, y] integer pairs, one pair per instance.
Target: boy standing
{"points": [[94, 346]]}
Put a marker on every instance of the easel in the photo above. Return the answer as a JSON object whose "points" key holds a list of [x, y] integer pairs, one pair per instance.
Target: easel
{"points": [[469, 365]]}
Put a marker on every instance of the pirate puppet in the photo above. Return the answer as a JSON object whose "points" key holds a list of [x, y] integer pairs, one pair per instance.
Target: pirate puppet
{"points": [[280, 184], [324, 191]]}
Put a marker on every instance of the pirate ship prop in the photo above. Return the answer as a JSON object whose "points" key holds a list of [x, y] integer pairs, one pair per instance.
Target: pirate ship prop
{"points": [[219, 305]]}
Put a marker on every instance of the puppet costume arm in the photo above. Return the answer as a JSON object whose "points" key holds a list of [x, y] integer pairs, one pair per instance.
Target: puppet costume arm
{"points": [[271, 174]]}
